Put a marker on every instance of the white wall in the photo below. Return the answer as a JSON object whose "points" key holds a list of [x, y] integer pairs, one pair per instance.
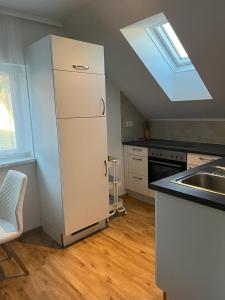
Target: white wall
{"points": [[115, 146], [32, 31]]}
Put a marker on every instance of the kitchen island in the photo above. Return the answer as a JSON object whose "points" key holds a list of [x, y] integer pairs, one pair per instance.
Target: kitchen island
{"points": [[190, 239]]}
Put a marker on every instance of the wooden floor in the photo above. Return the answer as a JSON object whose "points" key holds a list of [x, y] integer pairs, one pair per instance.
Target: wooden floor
{"points": [[117, 263]]}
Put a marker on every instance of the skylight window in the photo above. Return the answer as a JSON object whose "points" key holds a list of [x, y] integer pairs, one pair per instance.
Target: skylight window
{"points": [[170, 46], [159, 48], [175, 42]]}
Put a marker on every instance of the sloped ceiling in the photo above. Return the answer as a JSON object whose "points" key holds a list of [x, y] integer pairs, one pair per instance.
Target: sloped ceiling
{"points": [[53, 9], [200, 25]]}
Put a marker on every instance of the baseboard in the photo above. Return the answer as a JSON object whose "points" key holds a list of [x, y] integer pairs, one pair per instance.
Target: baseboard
{"points": [[123, 195], [54, 233], [30, 232], [141, 197]]}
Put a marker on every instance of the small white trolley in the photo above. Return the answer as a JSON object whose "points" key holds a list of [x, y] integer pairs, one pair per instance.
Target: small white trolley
{"points": [[115, 202]]}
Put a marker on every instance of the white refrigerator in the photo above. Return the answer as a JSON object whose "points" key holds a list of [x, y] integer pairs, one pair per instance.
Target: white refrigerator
{"points": [[68, 110]]}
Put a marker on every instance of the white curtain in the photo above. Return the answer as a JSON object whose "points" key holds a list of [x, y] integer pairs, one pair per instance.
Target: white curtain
{"points": [[15, 129], [11, 49]]}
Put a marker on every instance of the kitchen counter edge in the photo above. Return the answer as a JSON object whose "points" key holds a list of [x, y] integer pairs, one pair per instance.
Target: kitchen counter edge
{"points": [[189, 147], [199, 196]]}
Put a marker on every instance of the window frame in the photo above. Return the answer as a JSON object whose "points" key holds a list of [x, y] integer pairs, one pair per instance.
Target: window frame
{"points": [[171, 48], [168, 51], [173, 43], [21, 113]]}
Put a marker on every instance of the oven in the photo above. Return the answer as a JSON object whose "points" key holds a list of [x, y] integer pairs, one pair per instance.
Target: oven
{"points": [[164, 163]]}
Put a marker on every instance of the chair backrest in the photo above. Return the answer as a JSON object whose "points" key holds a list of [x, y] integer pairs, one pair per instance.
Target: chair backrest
{"points": [[12, 194]]}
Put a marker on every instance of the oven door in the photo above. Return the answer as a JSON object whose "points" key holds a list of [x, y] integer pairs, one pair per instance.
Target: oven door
{"points": [[159, 169]]}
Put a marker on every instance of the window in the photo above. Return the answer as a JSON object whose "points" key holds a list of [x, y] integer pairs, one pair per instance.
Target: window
{"points": [[175, 42], [7, 125], [15, 135], [170, 46], [173, 46], [159, 48]]}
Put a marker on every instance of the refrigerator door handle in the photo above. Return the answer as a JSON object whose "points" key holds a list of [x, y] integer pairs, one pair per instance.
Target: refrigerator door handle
{"points": [[106, 168], [103, 101], [81, 67]]}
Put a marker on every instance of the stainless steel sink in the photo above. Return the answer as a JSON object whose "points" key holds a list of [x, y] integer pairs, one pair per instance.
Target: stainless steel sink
{"points": [[211, 179]]}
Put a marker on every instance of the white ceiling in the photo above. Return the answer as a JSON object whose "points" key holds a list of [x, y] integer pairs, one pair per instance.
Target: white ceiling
{"points": [[52, 9]]}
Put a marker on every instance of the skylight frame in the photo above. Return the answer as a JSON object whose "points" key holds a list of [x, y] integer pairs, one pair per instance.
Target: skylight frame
{"points": [[174, 40], [179, 82], [170, 48], [157, 35]]}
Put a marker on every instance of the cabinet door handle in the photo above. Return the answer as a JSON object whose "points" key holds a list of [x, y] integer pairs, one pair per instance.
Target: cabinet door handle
{"points": [[205, 159], [106, 168], [138, 178], [103, 102], [80, 67], [139, 159], [137, 149]]}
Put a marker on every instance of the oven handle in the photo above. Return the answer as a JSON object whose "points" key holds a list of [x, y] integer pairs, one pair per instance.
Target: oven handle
{"points": [[163, 163]]}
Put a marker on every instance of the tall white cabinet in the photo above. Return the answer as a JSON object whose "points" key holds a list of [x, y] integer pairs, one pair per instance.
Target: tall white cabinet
{"points": [[68, 109]]}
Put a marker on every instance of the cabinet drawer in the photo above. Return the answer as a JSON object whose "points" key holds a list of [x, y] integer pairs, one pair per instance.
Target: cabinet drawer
{"points": [[138, 183], [72, 55], [138, 165], [199, 159], [140, 151], [79, 94]]}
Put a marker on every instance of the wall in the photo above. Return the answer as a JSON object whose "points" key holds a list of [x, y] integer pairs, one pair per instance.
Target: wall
{"points": [[202, 131], [31, 203], [31, 31], [130, 113], [115, 146]]}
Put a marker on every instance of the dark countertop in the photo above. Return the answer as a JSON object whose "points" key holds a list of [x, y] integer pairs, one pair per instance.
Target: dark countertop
{"points": [[166, 186], [208, 149], [199, 196]]}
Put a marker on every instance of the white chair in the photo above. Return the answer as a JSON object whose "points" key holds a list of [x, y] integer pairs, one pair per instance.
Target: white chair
{"points": [[12, 194]]}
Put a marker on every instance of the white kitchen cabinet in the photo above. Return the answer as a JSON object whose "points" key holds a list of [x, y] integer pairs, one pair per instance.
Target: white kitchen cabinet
{"points": [[72, 55], [139, 151], [70, 136], [138, 165], [74, 99], [194, 160], [190, 246], [83, 171], [138, 183], [136, 170]]}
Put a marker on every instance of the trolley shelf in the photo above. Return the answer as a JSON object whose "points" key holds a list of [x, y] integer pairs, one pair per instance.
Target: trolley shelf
{"points": [[115, 203]]}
